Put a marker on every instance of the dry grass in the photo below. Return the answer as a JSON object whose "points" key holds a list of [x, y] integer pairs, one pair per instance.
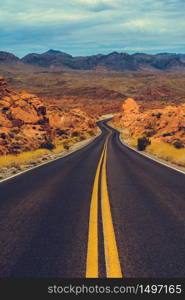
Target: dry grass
{"points": [[10, 160], [132, 142], [167, 152], [160, 149]]}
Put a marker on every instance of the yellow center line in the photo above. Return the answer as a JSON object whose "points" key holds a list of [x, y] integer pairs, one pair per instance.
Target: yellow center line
{"points": [[113, 268], [92, 252]]}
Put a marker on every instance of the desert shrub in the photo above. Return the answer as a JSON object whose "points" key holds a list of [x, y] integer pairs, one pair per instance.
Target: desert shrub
{"points": [[178, 144], [5, 109], [82, 137], [3, 136], [158, 115], [66, 147], [66, 144], [75, 133], [167, 134], [61, 132], [91, 132], [142, 143], [42, 110], [16, 146], [151, 133], [47, 145]]}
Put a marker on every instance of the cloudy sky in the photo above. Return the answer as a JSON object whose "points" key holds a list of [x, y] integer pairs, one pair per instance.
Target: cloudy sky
{"points": [[85, 27]]}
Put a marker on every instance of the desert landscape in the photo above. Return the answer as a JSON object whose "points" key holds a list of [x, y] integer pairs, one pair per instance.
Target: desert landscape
{"points": [[92, 148], [53, 99]]}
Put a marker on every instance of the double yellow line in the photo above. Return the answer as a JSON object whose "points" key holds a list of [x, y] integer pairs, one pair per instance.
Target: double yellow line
{"points": [[113, 268]]}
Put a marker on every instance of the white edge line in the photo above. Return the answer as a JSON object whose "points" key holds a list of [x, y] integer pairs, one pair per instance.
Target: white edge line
{"points": [[148, 156], [47, 162]]}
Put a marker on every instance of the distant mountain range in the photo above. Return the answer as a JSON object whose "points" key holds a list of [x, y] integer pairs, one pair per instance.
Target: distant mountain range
{"points": [[114, 61]]}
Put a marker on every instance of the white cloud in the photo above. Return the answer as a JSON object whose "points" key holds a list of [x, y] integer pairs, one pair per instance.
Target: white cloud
{"points": [[94, 24], [95, 2]]}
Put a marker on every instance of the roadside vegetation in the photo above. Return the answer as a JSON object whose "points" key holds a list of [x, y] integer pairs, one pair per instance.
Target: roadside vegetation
{"points": [[125, 135], [142, 143], [170, 153], [12, 160], [39, 155], [167, 152]]}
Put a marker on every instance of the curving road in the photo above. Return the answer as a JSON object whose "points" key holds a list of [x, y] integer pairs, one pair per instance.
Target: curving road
{"points": [[103, 211]]}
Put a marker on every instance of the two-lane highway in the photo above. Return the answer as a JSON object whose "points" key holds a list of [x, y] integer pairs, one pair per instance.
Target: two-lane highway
{"points": [[102, 211]]}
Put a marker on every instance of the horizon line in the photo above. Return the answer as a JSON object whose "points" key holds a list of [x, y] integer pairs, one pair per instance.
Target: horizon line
{"points": [[118, 52]]}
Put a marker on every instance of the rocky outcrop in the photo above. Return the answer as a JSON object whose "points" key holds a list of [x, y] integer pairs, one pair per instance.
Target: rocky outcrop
{"points": [[26, 123], [167, 124]]}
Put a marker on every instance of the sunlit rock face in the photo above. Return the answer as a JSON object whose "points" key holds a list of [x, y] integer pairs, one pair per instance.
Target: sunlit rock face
{"points": [[26, 124], [166, 124]]}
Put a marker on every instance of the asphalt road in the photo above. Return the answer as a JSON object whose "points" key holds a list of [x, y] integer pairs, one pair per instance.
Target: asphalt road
{"points": [[103, 211]]}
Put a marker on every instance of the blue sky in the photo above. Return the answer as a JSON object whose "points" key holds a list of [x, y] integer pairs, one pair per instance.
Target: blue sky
{"points": [[85, 27]]}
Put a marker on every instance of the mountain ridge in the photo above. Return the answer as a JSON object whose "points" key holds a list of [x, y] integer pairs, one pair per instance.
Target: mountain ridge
{"points": [[113, 61]]}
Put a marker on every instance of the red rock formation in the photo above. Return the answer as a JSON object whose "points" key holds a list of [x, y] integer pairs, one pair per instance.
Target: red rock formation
{"points": [[26, 124], [167, 124]]}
